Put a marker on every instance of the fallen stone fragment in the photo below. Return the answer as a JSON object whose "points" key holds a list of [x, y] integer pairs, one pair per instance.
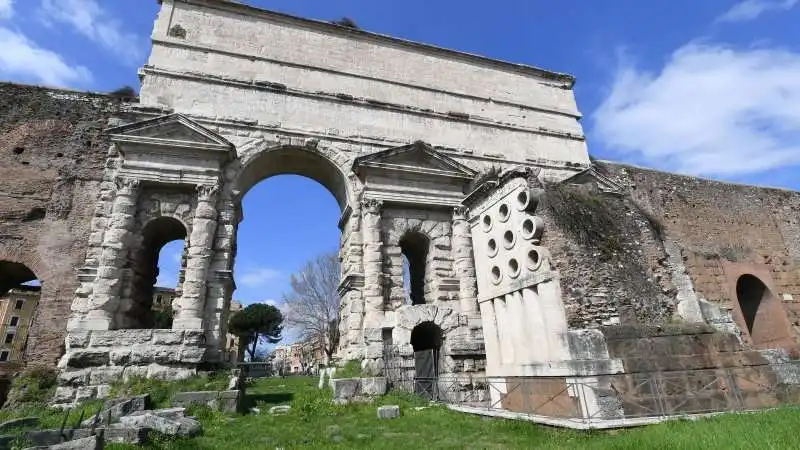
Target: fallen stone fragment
{"points": [[255, 410], [117, 410], [87, 443], [280, 409], [119, 434], [22, 422], [182, 426], [388, 412]]}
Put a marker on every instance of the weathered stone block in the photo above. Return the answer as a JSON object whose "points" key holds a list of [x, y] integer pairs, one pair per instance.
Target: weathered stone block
{"points": [[167, 337], [105, 375], [78, 339], [184, 399], [193, 337], [117, 409], [373, 386], [74, 378], [280, 410], [118, 434], [346, 388], [182, 426], [87, 358], [388, 412], [168, 373], [14, 424], [64, 394]]}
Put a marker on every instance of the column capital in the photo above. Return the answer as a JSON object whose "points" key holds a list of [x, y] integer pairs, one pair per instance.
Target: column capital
{"points": [[371, 205], [127, 185], [206, 192]]}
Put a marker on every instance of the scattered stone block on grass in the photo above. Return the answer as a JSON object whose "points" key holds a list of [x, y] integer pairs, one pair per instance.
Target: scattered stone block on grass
{"points": [[116, 409], [388, 412], [182, 426], [22, 422], [280, 409], [87, 443]]}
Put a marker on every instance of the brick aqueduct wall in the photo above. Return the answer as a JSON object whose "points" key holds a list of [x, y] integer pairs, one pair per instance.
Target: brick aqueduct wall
{"points": [[52, 153]]}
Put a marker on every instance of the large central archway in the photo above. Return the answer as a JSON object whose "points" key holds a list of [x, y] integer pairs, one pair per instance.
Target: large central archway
{"points": [[285, 220]]}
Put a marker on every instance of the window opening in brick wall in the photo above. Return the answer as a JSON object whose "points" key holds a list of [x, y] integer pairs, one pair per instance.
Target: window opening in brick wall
{"points": [[414, 247]]}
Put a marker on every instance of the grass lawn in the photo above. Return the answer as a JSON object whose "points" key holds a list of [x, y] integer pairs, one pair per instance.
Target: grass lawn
{"points": [[316, 423]]}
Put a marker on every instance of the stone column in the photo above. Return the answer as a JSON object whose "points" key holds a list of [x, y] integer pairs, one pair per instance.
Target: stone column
{"points": [[189, 308], [464, 262], [373, 277], [115, 247]]}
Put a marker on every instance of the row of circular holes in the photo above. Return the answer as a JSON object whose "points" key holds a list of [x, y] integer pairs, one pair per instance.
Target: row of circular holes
{"points": [[522, 203], [509, 239], [533, 261]]}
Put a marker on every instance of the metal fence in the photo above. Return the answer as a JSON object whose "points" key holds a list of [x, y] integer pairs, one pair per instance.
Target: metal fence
{"points": [[608, 396]]}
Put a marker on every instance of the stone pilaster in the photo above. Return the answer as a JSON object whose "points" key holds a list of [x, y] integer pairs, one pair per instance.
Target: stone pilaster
{"points": [[373, 266], [105, 295], [190, 307], [464, 262]]}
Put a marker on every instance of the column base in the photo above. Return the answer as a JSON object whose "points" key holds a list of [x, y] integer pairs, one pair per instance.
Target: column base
{"points": [[187, 324]]}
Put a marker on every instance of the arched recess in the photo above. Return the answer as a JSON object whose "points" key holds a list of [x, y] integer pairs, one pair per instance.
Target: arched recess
{"points": [[323, 164], [762, 314], [414, 246], [139, 313], [13, 274]]}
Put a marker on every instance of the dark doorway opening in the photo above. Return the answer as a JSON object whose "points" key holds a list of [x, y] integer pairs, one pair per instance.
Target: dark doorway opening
{"points": [[426, 339]]}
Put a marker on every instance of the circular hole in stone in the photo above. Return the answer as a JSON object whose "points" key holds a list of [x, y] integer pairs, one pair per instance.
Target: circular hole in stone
{"points": [[513, 268], [487, 223], [496, 275], [533, 259], [522, 200], [528, 228], [503, 212], [508, 239], [18, 150], [492, 247]]}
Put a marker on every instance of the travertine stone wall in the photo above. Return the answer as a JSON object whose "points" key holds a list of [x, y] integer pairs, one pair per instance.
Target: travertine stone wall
{"points": [[96, 359], [52, 155]]}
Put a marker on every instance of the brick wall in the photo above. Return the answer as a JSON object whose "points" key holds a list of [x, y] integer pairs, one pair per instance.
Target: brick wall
{"points": [[51, 162], [721, 231]]}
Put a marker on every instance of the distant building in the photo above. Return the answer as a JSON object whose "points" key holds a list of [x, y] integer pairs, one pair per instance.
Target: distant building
{"points": [[300, 357], [16, 311], [162, 299]]}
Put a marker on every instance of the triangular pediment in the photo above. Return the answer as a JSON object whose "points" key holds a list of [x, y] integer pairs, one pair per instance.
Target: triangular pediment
{"points": [[418, 157], [593, 176], [174, 128]]}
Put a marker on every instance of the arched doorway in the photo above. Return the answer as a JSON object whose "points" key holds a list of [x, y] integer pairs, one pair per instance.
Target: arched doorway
{"points": [[414, 247], [426, 339], [291, 200], [761, 314], [141, 312], [20, 293]]}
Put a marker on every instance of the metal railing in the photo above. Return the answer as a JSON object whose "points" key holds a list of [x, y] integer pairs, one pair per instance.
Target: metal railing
{"points": [[610, 396]]}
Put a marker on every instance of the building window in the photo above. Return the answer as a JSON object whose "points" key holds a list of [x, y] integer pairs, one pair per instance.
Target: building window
{"points": [[20, 304], [3, 355], [9, 338], [14, 321], [158, 300]]}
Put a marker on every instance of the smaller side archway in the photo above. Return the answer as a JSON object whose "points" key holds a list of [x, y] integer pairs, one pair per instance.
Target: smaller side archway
{"points": [[139, 312], [414, 247], [762, 314]]}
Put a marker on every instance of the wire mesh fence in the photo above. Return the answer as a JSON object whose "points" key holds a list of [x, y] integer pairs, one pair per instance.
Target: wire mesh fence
{"points": [[600, 397]]}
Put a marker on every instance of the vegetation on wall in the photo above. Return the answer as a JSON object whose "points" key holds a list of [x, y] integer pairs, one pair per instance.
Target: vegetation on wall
{"points": [[609, 227]]}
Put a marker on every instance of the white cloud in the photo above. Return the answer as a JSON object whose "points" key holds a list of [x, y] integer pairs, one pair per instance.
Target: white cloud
{"points": [[258, 276], [752, 9], [21, 57], [88, 18], [6, 9], [711, 110]]}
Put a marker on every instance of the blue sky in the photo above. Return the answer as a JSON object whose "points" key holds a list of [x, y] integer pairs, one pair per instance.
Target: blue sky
{"points": [[706, 87]]}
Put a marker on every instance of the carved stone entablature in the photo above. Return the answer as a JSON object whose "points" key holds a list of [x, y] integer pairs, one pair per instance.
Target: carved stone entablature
{"points": [[413, 174], [593, 176], [349, 283], [171, 149]]}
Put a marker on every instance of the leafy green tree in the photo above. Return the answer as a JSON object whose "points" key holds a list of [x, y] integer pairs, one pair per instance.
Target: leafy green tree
{"points": [[256, 323]]}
